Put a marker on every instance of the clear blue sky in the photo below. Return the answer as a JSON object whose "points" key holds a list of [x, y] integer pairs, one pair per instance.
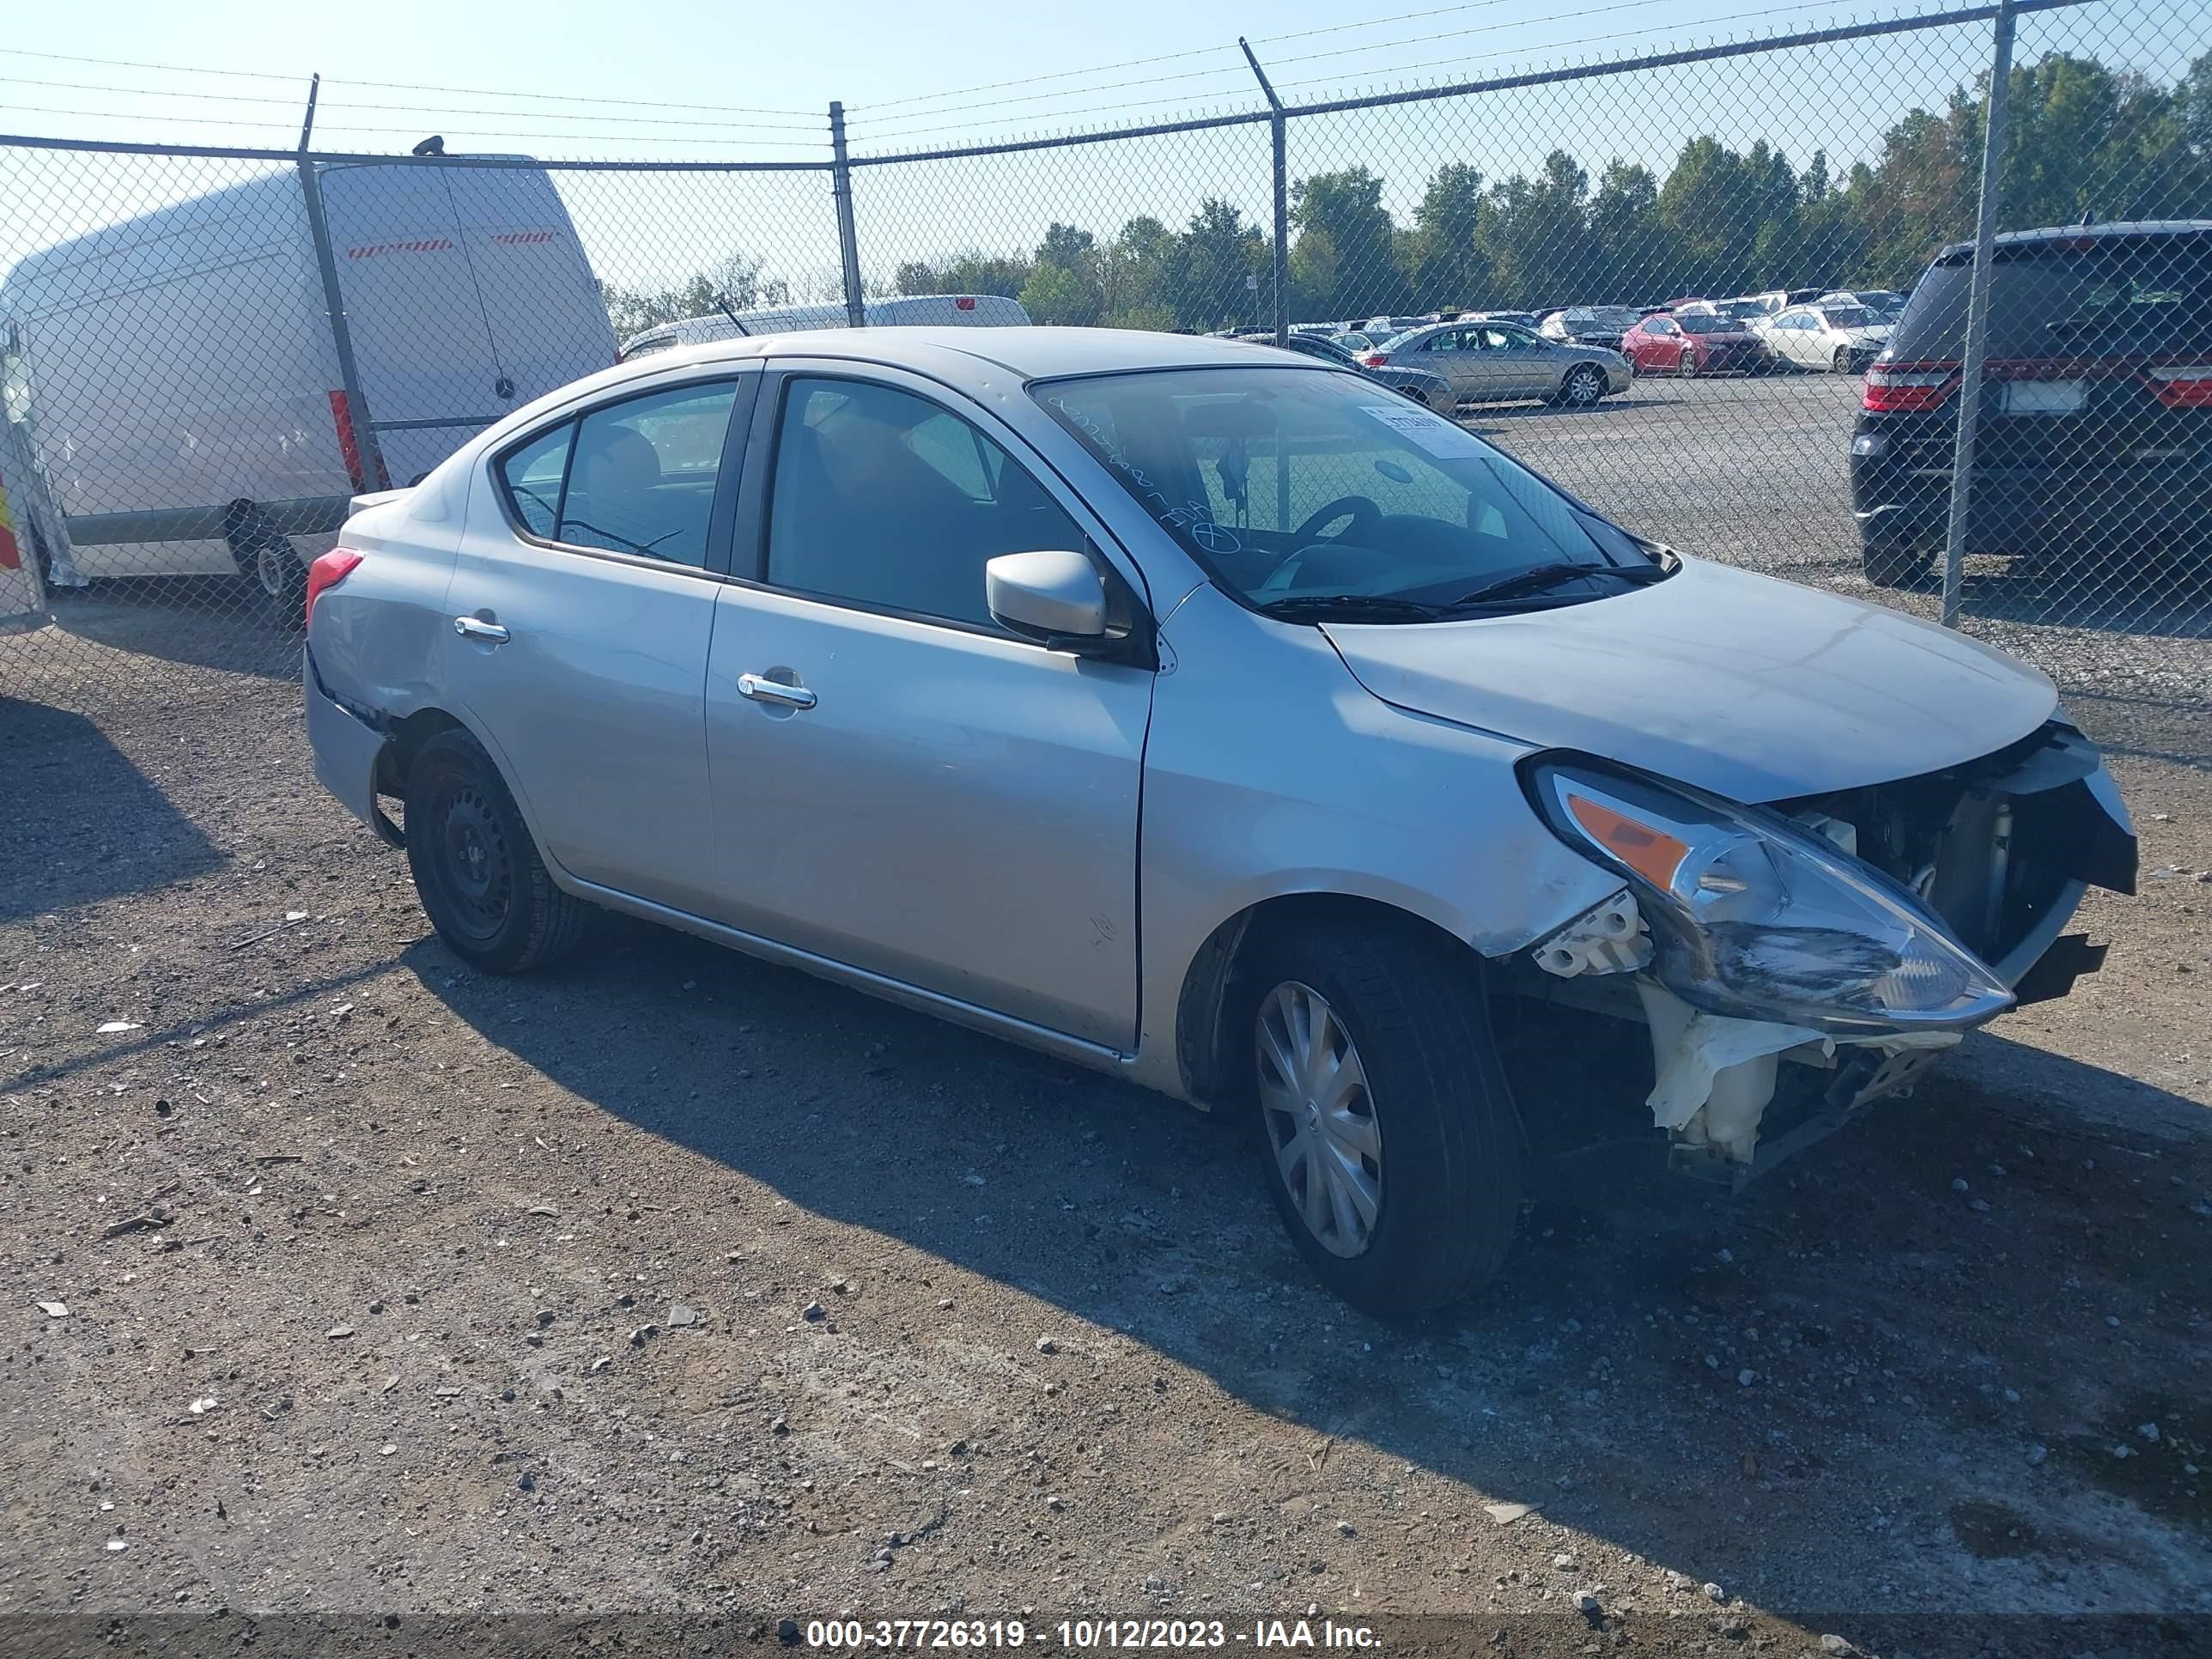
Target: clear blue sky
{"points": [[569, 80]]}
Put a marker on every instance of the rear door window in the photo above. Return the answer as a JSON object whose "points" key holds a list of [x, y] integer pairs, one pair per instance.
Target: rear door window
{"points": [[642, 477]]}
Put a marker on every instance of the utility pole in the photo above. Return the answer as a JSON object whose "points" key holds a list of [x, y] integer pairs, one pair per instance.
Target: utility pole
{"points": [[1278, 127]]}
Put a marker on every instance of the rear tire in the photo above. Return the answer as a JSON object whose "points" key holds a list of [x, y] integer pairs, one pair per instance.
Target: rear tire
{"points": [[1434, 1213], [1583, 387], [265, 557], [1893, 564], [476, 870]]}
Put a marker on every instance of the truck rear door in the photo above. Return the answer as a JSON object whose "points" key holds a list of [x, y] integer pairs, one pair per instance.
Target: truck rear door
{"points": [[419, 336]]}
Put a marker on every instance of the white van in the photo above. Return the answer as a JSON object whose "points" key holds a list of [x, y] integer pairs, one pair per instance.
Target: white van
{"points": [[185, 399], [906, 311]]}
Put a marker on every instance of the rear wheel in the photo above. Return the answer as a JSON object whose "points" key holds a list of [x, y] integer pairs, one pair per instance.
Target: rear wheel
{"points": [[1390, 1140], [476, 870], [266, 557], [1583, 387]]}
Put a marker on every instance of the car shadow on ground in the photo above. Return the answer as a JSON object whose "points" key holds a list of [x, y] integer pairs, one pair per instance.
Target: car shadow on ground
{"points": [[1667, 1367], [200, 622], [84, 823]]}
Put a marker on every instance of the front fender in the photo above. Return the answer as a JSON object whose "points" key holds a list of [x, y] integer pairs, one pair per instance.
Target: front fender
{"points": [[1270, 772]]}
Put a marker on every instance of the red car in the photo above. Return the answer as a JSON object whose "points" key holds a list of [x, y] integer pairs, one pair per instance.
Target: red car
{"points": [[1692, 342]]}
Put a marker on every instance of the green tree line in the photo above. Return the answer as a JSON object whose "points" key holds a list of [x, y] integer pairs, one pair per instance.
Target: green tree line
{"points": [[2082, 138]]}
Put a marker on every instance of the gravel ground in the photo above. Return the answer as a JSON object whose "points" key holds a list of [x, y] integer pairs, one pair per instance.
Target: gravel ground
{"points": [[669, 1281]]}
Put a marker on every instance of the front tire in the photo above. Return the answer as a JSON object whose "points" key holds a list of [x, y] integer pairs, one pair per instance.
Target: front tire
{"points": [[1687, 367], [476, 870], [1893, 564], [1388, 1138], [1843, 359]]}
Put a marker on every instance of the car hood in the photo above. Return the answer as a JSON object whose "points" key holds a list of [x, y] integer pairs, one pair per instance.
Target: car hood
{"points": [[1748, 687], [1872, 334]]}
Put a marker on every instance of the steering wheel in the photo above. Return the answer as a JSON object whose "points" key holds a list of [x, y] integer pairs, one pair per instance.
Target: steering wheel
{"points": [[1365, 514]]}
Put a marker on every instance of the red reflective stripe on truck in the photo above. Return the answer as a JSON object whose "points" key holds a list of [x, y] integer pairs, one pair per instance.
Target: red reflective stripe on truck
{"points": [[349, 444], [11, 555]]}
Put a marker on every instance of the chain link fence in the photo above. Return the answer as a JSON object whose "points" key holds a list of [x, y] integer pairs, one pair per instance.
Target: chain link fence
{"points": [[1729, 293]]}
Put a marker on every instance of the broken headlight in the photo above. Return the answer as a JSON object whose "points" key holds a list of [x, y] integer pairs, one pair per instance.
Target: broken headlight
{"points": [[1753, 917]]}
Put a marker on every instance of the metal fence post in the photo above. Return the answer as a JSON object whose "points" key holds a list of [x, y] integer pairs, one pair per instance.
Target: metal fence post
{"points": [[849, 244], [368, 452], [1977, 317], [1278, 134]]}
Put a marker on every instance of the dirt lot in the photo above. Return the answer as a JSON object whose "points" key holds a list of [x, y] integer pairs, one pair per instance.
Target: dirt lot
{"points": [[669, 1281]]}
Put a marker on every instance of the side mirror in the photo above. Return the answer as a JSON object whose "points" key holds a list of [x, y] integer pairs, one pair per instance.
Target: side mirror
{"points": [[1055, 597]]}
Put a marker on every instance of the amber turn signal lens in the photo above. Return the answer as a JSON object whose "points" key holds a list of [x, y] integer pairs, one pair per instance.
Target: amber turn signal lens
{"points": [[1652, 853]]}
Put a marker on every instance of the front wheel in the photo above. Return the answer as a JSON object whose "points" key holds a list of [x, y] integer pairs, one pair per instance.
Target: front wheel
{"points": [[1893, 564], [476, 870], [1390, 1145], [1687, 366], [1583, 387], [1843, 359]]}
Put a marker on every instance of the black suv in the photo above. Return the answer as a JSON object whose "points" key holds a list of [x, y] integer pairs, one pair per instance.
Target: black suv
{"points": [[2096, 415]]}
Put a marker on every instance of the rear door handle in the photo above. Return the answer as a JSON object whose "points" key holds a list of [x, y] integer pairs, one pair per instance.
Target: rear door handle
{"points": [[476, 628], [760, 689]]}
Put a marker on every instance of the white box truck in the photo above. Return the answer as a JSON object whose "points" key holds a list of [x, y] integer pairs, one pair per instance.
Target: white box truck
{"points": [[183, 394]]}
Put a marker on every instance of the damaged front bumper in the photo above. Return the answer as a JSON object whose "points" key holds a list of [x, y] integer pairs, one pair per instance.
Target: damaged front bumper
{"points": [[2001, 850]]}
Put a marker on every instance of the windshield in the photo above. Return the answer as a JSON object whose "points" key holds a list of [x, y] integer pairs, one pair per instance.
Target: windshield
{"points": [[1287, 485]]}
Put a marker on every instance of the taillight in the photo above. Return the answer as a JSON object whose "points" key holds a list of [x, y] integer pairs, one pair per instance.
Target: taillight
{"points": [[2189, 387], [1376, 360], [1908, 388], [333, 568]]}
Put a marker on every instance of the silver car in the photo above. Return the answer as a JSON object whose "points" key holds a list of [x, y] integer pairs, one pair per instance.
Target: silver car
{"points": [[1503, 362], [1212, 719]]}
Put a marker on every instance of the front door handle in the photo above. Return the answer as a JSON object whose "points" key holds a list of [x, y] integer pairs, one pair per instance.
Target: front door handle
{"points": [[476, 628], [760, 689]]}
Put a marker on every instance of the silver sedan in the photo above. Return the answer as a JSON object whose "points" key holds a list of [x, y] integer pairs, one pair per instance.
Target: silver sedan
{"points": [[1207, 717], [1493, 362]]}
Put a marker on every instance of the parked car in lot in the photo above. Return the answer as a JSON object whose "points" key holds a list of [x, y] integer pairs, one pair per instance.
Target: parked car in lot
{"points": [[1386, 328], [1425, 386], [1687, 343], [184, 392], [867, 653], [1498, 362], [1591, 325], [2096, 405], [1843, 337]]}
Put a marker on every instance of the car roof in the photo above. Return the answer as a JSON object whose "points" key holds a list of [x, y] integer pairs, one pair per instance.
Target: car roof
{"points": [[2072, 232], [1036, 352]]}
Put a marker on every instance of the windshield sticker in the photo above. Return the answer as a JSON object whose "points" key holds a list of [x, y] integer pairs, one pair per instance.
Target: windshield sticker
{"points": [[1432, 432]]}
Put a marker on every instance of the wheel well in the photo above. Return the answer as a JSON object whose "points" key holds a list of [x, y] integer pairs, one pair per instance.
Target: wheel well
{"points": [[397, 758], [1213, 1020]]}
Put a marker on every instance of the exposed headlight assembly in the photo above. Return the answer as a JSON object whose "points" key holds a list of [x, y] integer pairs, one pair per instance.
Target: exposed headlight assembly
{"points": [[1753, 917]]}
